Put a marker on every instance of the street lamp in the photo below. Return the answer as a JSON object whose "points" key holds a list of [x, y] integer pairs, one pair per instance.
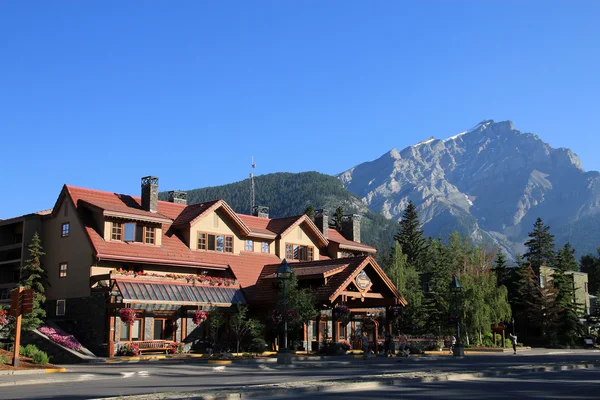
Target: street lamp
{"points": [[284, 274], [455, 288]]}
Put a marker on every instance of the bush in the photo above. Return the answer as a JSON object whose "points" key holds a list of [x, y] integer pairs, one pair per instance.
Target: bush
{"points": [[29, 351], [40, 358], [3, 359], [258, 345]]}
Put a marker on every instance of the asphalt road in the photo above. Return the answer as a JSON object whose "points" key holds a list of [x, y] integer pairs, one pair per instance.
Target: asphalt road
{"points": [[576, 384], [104, 380]]}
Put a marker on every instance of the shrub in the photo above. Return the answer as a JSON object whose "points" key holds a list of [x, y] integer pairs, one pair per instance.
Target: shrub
{"points": [[3, 359], [29, 351], [258, 345], [40, 358]]}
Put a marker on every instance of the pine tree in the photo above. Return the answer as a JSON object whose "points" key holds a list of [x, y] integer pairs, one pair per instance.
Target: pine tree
{"points": [[528, 304], [566, 258], [411, 238], [34, 277], [337, 218], [501, 270], [540, 247], [310, 212], [590, 264]]}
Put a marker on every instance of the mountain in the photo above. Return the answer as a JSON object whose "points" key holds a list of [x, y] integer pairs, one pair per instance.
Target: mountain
{"points": [[490, 182], [289, 194]]}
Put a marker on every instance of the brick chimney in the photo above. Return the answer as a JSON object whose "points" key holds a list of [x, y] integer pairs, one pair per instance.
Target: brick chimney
{"points": [[150, 193], [260, 211], [177, 196], [322, 221], [351, 227]]}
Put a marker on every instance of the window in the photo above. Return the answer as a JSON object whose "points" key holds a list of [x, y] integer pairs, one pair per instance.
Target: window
{"points": [[62, 270], [131, 332], [249, 245], [264, 247], [64, 231], [129, 232], [61, 306], [211, 242], [4, 294], [299, 252], [117, 231], [149, 235], [342, 330], [426, 287]]}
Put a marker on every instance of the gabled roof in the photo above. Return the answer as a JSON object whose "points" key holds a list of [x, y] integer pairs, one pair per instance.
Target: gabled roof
{"points": [[194, 213], [336, 237], [311, 226], [342, 272]]}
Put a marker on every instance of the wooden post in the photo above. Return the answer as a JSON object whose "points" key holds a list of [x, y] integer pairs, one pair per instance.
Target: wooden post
{"points": [[17, 303]]}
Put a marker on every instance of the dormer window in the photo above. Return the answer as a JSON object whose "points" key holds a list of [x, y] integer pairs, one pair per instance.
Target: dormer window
{"points": [[215, 242], [132, 232], [265, 247], [299, 252], [129, 232], [249, 245]]}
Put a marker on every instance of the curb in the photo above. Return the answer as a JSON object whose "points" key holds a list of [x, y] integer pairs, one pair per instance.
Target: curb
{"points": [[358, 383], [33, 371]]}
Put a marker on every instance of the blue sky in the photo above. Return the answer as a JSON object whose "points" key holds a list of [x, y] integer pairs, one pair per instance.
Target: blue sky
{"points": [[99, 94]]}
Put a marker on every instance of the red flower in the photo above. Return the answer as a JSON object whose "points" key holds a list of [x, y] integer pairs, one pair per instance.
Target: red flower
{"points": [[199, 316], [128, 316], [3, 317]]}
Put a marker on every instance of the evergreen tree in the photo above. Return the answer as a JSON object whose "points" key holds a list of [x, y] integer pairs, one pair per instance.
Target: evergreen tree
{"points": [[337, 218], [590, 264], [528, 303], [33, 276], [310, 212], [566, 258], [410, 237], [501, 270], [540, 247], [407, 281]]}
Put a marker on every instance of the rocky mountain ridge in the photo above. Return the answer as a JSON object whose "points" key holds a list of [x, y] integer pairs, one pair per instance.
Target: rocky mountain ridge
{"points": [[490, 182]]}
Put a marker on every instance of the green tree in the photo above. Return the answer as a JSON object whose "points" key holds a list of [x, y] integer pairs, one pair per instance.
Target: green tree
{"points": [[337, 218], [215, 321], [33, 276], [410, 237], [540, 247], [565, 258], [590, 264], [241, 325], [310, 212], [501, 270], [407, 281]]}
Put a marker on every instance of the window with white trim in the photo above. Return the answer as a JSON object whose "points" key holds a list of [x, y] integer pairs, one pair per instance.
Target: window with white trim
{"points": [[264, 247], [61, 306], [249, 245], [62, 270], [64, 231]]}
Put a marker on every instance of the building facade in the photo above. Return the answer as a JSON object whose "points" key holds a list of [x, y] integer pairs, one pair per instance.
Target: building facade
{"points": [[167, 259]]}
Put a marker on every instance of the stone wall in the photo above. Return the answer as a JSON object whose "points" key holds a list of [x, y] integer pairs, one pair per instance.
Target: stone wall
{"points": [[86, 319]]}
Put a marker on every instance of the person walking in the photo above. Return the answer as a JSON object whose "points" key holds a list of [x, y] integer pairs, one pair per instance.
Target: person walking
{"points": [[513, 339], [403, 345], [452, 344], [365, 345]]}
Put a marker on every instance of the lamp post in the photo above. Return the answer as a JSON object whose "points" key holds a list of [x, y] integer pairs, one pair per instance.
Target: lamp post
{"points": [[455, 288], [284, 273]]}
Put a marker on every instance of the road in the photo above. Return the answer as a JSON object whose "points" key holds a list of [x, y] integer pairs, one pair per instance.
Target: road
{"points": [[577, 384], [104, 380]]}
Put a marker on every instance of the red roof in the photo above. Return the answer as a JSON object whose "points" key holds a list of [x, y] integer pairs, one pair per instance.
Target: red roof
{"points": [[335, 236], [265, 293]]}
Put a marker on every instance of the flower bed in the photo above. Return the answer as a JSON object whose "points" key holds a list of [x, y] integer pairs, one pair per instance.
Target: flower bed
{"points": [[200, 279], [60, 337], [3, 318], [129, 349], [176, 348]]}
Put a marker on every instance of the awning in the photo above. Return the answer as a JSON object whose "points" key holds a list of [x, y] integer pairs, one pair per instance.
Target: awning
{"points": [[145, 292]]}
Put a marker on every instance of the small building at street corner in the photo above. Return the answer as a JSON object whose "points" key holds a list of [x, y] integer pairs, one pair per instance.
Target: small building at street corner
{"points": [[166, 260]]}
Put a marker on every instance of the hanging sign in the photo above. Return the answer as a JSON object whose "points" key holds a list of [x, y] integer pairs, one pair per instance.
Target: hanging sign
{"points": [[362, 280]]}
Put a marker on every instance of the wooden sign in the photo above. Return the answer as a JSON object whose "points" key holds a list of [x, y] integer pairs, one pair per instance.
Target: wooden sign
{"points": [[362, 280], [15, 303], [27, 301]]}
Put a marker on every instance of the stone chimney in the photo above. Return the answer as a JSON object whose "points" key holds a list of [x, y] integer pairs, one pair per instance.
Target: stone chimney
{"points": [[322, 221], [177, 196], [351, 227], [150, 193], [260, 211]]}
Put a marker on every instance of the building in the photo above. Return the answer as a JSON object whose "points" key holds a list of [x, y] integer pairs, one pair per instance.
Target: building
{"points": [[166, 260], [578, 282]]}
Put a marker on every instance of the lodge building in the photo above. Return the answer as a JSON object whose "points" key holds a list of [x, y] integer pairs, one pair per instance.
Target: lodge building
{"points": [[167, 259]]}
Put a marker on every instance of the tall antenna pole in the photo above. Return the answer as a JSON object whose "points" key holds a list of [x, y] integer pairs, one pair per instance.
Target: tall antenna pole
{"points": [[252, 187]]}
